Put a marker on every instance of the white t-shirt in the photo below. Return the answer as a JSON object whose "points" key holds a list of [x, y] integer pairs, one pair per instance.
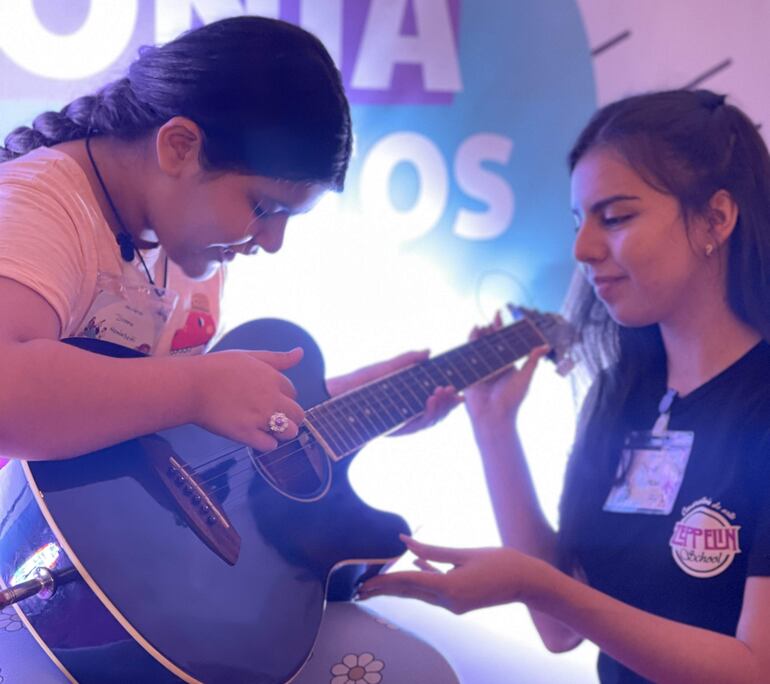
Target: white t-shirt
{"points": [[55, 240]]}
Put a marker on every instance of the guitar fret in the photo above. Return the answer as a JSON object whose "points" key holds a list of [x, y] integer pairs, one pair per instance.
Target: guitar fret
{"points": [[413, 401], [436, 374], [427, 384], [371, 399], [478, 361], [498, 350], [380, 402], [401, 408], [463, 370], [444, 367], [338, 426], [347, 422], [353, 420], [338, 423], [383, 407], [366, 415], [317, 418], [416, 387]]}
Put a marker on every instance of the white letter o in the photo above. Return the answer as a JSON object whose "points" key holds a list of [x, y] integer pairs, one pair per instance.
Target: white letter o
{"points": [[92, 48], [384, 156]]}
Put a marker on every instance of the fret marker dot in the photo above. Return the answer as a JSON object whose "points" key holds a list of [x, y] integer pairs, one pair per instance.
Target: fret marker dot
{"points": [[351, 419]]}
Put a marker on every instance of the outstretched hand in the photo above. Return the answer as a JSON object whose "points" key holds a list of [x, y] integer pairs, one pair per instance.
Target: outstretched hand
{"points": [[500, 396], [478, 578], [439, 404]]}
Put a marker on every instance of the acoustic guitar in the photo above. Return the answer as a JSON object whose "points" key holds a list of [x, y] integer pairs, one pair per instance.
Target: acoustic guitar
{"points": [[183, 555]]}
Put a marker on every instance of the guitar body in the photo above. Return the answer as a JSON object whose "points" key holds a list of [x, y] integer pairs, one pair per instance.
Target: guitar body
{"points": [[157, 603]]}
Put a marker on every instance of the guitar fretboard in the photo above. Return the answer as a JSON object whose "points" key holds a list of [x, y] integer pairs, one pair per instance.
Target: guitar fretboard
{"points": [[349, 421]]}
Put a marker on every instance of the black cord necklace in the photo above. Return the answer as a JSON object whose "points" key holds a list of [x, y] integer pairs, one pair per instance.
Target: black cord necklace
{"points": [[126, 243]]}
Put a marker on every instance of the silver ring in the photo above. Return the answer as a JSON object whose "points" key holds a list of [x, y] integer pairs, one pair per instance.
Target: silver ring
{"points": [[278, 422]]}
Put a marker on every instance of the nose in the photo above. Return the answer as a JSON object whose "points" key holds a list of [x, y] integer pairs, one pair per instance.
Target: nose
{"points": [[589, 245], [271, 236]]}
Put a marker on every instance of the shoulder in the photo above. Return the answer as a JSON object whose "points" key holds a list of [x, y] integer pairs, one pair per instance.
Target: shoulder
{"points": [[44, 174], [45, 189], [751, 385]]}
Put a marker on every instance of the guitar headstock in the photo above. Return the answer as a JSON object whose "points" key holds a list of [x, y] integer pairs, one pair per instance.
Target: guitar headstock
{"points": [[559, 334]]}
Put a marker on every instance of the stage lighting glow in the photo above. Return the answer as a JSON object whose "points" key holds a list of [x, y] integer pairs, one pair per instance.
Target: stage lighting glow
{"points": [[45, 557]]}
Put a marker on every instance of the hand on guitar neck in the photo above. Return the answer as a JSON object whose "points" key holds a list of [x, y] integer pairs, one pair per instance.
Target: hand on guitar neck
{"points": [[438, 405]]}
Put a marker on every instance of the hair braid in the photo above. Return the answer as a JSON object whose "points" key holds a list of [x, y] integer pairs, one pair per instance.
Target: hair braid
{"points": [[114, 110], [266, 95]]}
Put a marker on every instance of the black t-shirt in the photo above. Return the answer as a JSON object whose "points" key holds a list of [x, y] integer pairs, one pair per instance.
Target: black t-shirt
{"points": [[691, 565]]}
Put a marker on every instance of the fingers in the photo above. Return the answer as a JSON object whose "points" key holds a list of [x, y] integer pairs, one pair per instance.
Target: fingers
{"points": [[438, 406], [428, 552], [396, 363], [280, 360], [283, 424], [419, 585], [262, 441], [528, 369], [408, 359], [293, 411], [498, 320], [440, 403], [425, 566], [362, 376], [481, 330]]}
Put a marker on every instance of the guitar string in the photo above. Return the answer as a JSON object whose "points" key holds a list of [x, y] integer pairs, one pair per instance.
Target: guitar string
{"points": [[330, 409], [234, 484], [333, 413]]}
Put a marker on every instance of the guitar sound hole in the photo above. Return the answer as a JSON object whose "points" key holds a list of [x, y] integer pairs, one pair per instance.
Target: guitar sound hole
{"points": [[300, 469]]}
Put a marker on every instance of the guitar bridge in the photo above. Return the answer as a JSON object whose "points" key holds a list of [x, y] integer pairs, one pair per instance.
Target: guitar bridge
{"points": [[202, 513]]}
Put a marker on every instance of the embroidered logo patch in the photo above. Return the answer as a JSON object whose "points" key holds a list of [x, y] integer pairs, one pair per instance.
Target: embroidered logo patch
{"points": [[705, 541]]}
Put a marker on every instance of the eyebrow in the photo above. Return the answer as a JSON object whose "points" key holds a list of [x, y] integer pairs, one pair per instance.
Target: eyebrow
{"points": [[278, 205], [601, 205]]}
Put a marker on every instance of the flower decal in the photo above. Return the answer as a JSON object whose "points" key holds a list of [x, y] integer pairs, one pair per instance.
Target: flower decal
{"points": [[357, 669], [9, 620]]}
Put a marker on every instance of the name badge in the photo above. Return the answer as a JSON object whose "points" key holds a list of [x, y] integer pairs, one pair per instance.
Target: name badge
{"points": [[130, 315], [652, 468]]}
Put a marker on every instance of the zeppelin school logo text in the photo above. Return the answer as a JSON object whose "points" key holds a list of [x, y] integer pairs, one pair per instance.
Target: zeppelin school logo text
{"points": [[705, 541]]}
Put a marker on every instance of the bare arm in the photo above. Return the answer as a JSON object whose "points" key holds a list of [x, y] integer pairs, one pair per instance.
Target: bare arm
{"points": [[658, 649], [520, 519], [57, 401], [493, 408]]}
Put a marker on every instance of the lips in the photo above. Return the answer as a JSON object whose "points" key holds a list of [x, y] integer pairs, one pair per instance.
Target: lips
{"points": [[604, 285]]}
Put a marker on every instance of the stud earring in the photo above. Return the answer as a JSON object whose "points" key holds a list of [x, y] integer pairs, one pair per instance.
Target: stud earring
{"points": [[709, 249]]}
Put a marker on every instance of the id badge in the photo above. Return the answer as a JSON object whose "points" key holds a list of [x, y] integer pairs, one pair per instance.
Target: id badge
{"points": [[127, 314], [654, 467]]}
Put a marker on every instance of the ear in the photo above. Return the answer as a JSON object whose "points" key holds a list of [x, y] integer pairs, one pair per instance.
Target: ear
{"points": [[178, 145], [723, 215]]}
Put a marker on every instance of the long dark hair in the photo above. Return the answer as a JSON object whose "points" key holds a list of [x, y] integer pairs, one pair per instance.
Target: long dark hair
{"points": [[265, 93], [687, 144]]}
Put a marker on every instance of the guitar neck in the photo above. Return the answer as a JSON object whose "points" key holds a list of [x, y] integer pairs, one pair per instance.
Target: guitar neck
{"points": [[347, 422]]}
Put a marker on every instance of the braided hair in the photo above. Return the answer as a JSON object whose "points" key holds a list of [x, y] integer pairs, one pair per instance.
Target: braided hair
{"points": [[265, 94]]}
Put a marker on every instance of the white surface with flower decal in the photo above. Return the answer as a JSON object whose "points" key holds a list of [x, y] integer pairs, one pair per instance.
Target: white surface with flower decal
{"points": [[358, 669]]}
